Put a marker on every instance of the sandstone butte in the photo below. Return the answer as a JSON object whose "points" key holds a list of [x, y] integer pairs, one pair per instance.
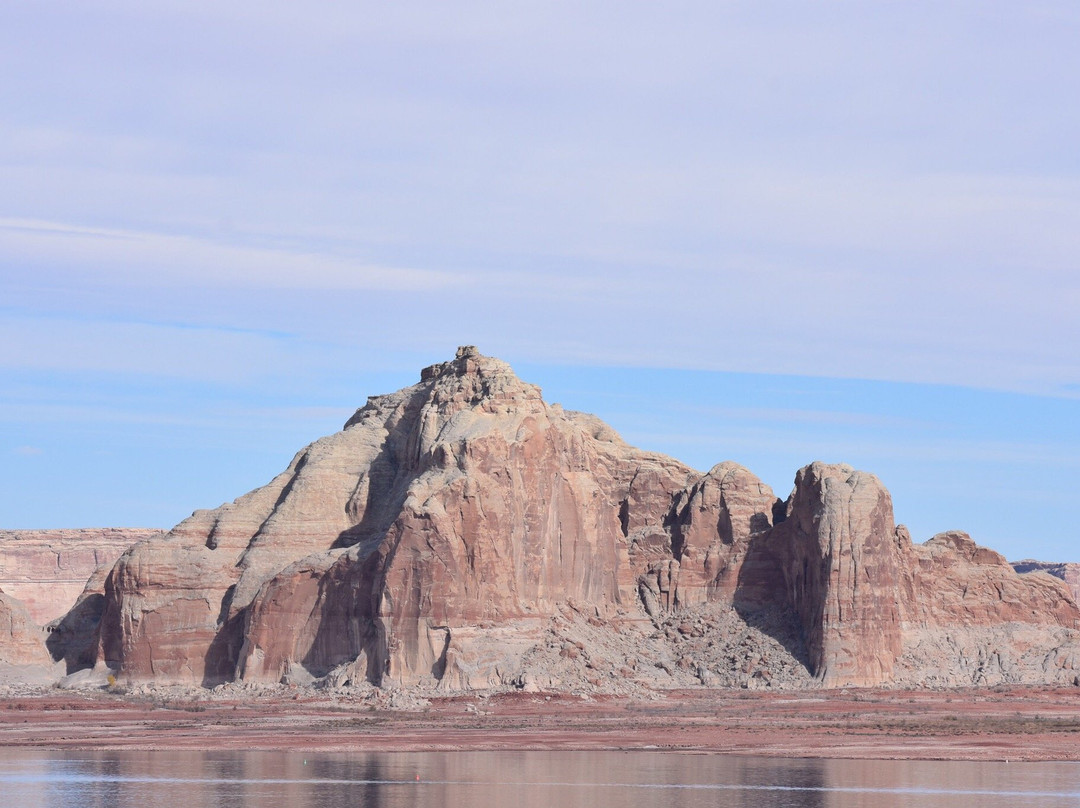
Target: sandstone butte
{"points": [[462, 533]]}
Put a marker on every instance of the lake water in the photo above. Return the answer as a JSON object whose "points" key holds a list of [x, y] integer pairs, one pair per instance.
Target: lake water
{"points": [[39, 779]]}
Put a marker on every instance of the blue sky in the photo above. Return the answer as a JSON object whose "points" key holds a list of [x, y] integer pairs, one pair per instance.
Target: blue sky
{"points": [[770, 232]]}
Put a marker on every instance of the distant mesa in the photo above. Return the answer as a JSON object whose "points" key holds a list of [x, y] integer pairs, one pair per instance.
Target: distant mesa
{"points": [[1069, 573], [462, 533], [48, 569]]}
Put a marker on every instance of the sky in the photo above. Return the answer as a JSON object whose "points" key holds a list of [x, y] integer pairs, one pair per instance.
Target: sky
{"points": [[773, 232]]}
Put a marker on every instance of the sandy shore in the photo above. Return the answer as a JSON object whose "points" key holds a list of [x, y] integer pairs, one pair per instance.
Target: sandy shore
{"points": [[1001, 724]]}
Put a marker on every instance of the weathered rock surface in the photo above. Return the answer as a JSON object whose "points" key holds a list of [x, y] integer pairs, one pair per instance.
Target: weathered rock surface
{"points": [[48, 569], [1069, 573], [74, 638], [956, 582], [876, 609], [461, 500], [971, 619], [462, 533], [22, 642], [164, 610], [836, 552], [714, 520], [501, 508]]}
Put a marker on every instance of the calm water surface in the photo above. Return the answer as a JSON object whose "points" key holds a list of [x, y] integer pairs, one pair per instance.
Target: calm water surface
{"points": [[34, 779]]}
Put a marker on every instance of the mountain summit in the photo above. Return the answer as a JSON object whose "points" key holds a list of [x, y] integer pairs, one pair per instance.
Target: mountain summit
{"points": [[463, 533]]}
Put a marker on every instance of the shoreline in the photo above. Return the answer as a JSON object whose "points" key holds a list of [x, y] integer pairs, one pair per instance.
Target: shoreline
{"points": [[1006, 724]]}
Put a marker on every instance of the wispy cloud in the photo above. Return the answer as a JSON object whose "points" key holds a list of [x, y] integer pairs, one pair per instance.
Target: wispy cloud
{"points": [[51, 345], [780, 415], [238, 418], [143, 258], [27, 451]]}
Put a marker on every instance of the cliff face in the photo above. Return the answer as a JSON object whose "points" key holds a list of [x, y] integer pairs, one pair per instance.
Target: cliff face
{"points": [[460, 500], [47, 569], [1069, 573], [22, 643], [463, 533], [970, 619], [841, 570], [956, 582], [714, 520], [484, 505]]}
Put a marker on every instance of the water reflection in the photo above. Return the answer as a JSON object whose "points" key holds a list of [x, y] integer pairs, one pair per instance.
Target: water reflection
{"points": [[517, 780]]}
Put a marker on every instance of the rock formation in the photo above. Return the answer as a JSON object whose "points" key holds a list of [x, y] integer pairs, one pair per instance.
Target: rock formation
{"points": [[462, 500], [463, 533], [836, 553], [1069, 573], [48, 569], [971, 619], [957, 582], [74, 638], [713, 522], [22, 643]]}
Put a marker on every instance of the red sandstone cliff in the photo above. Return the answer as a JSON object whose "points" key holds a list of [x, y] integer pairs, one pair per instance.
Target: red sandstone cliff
{"points": [[841, 573], [463, 533], [461, 500]]}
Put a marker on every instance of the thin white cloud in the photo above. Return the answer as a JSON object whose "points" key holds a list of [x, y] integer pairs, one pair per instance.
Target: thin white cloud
{"points": [[836, 190], [780, 415], [153, 350], [746, 441], [156, 259], [27, 451]]}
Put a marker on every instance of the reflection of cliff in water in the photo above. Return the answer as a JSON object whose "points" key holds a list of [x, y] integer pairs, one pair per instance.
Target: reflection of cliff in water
{"points": [[37, 779], [770, 782]]}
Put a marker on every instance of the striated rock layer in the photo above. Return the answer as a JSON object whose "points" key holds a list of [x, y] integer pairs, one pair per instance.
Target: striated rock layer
{"points": [[463, 533], [47, 569]]}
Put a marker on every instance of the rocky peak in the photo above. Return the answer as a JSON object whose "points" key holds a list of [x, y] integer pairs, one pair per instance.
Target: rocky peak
{"points": [[468, 381], [474, 380], [467, 360], [445, 533], [962, 545]]}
